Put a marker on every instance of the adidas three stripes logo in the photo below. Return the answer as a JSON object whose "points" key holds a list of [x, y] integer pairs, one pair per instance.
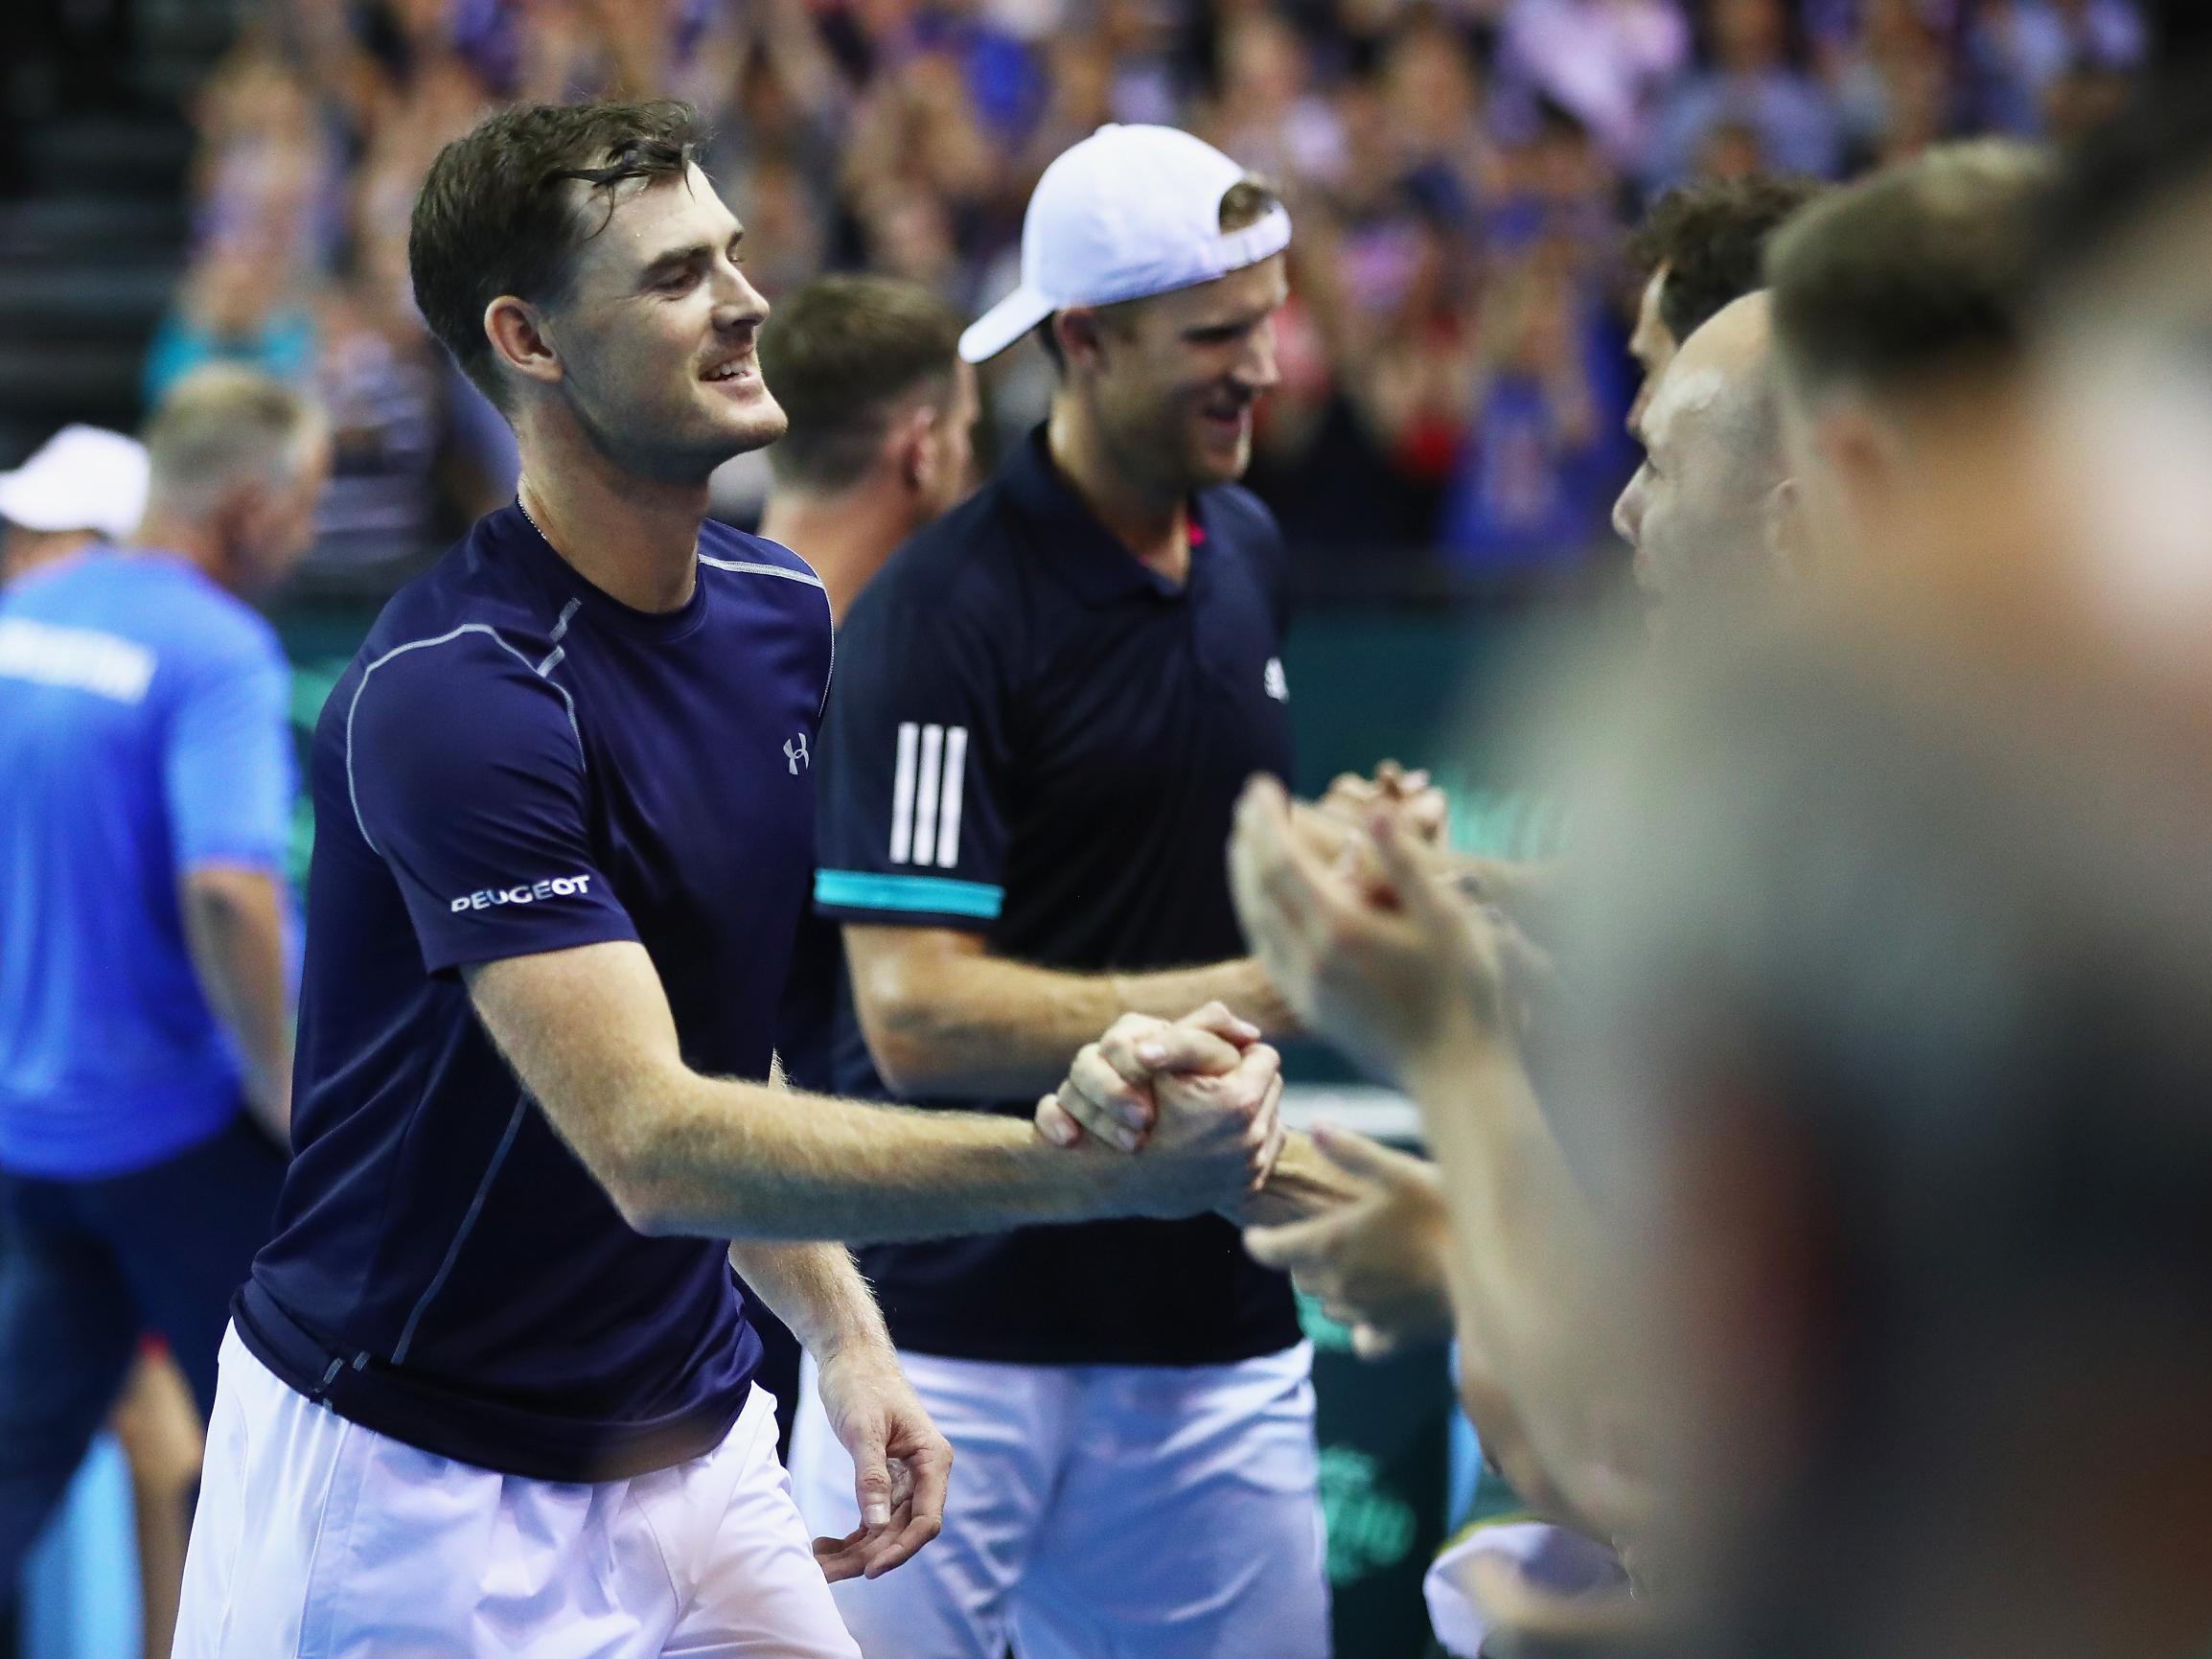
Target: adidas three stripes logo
{"points": [[926, 791]]}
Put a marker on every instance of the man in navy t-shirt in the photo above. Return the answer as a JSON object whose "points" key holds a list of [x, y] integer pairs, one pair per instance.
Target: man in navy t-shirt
{"points": [[489, 1387]]}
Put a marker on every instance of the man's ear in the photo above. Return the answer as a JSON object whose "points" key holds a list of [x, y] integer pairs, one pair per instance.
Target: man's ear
{"points": [[1862, 450], [1081, 336], [914, 435], [517, 330], [1783, 532]]}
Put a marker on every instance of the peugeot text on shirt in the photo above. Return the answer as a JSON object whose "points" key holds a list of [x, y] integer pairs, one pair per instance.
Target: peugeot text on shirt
{"points": [[552, 887]]}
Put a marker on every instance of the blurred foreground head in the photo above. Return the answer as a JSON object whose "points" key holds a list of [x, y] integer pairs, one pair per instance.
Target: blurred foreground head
{"points": [[1901, 1113], [1902, 314], [2124, 384]]}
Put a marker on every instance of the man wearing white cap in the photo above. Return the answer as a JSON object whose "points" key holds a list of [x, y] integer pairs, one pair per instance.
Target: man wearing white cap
{"points": [[1044, 708], [82, 485]]}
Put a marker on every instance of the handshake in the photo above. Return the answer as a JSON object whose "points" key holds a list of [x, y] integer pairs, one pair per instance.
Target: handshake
{"points": [[1200, 1098]]}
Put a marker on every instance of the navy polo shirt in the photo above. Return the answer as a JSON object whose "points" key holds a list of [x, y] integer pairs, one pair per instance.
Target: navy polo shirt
{"points": [[518, 763], [1036, 738]]}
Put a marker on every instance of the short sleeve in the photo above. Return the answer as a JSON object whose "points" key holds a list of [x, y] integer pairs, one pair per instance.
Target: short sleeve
{"points": [[227, 769], [467, 775], [911, 826]]}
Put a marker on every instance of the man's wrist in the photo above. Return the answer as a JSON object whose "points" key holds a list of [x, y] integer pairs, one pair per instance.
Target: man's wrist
{"points": [[849, 1331], [1461, 1045]]}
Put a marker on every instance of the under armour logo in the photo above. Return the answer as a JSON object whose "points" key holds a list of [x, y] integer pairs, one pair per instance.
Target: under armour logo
{"points": [[794, 751], [1275, 682]]}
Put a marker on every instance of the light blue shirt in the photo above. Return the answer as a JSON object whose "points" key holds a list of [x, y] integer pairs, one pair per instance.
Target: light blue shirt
{"points": [[144, 732]]}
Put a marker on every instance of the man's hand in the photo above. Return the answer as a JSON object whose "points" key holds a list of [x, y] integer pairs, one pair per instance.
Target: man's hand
{"points": [[1376, 1263], [1200, 1096], [1408, 796], [1383, 972], [1110, 1091], [900, 1462]]}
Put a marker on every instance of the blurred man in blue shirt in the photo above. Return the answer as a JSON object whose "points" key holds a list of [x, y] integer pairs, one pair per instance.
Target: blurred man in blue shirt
{"points": [[144, 1038]]}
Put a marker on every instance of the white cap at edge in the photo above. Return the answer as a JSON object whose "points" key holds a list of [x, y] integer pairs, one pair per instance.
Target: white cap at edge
{"points": [[81, 478]]}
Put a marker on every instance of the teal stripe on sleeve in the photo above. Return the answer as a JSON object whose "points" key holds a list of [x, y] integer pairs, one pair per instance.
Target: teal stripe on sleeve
{"points": [[939, 895]]}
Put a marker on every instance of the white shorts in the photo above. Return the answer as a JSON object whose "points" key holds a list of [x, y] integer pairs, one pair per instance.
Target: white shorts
{"points": [[318, 1538], [1131, 1511]]}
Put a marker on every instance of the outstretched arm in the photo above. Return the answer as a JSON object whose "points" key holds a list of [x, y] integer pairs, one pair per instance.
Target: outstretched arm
{"points": [[589, 1031]]}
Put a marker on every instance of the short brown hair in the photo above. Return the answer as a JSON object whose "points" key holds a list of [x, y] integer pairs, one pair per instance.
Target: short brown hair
{"points": [[1711, 238], [1923, 268], [837, 355], [496, 214]]}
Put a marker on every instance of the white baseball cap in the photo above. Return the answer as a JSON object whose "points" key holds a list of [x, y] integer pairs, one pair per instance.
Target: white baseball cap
{"points": [[81, 478], [1128, 212]]}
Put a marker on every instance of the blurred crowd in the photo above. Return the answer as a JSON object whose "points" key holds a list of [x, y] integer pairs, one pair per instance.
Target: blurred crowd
{"points": [[1461, 175]]}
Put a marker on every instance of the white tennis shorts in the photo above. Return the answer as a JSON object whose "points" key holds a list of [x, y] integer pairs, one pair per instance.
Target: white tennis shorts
{"points": [[1098, 1512], [318, 1538]]}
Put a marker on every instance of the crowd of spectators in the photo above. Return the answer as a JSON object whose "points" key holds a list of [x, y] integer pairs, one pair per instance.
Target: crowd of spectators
{"points": [[1462, 173]]}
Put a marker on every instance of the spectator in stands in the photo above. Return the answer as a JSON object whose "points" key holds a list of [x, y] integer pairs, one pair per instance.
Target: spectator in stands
{"points": [[1606, 61], [1433, 95], [1894, 85], [907, 139], [1267, 115], [1752, 86], [243, 302], [145, 1021], [1529, 491], [2022, 52], [82, 487]]}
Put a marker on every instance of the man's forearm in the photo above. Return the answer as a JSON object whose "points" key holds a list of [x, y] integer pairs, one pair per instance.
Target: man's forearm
{"points": [[985, 1028], [742, 1161], [816, 1290], [234, 930], [1525, 1270]]}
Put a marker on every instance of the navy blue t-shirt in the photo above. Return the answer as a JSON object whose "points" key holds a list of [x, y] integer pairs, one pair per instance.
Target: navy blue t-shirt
{"points": [[1035, 738], [516, 763]]}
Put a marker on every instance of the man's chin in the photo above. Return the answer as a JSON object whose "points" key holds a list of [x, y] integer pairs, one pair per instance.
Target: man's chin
{"points": [[1213, 464], [754, 423]]}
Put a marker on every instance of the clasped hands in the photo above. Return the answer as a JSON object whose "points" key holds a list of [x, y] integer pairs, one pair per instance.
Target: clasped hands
{"points": [[1202, 1095]]}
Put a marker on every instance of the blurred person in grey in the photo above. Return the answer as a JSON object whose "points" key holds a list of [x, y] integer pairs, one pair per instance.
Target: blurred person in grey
{"points": [[1877, 1182], [1901, 312], [2122, 396], [83, 486], [881, 442], [1898, 1151], [144, 1025], [1700, 248]]}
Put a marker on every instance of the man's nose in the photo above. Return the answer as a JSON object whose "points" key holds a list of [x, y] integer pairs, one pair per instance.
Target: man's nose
{"points": [[1628, 510]]}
